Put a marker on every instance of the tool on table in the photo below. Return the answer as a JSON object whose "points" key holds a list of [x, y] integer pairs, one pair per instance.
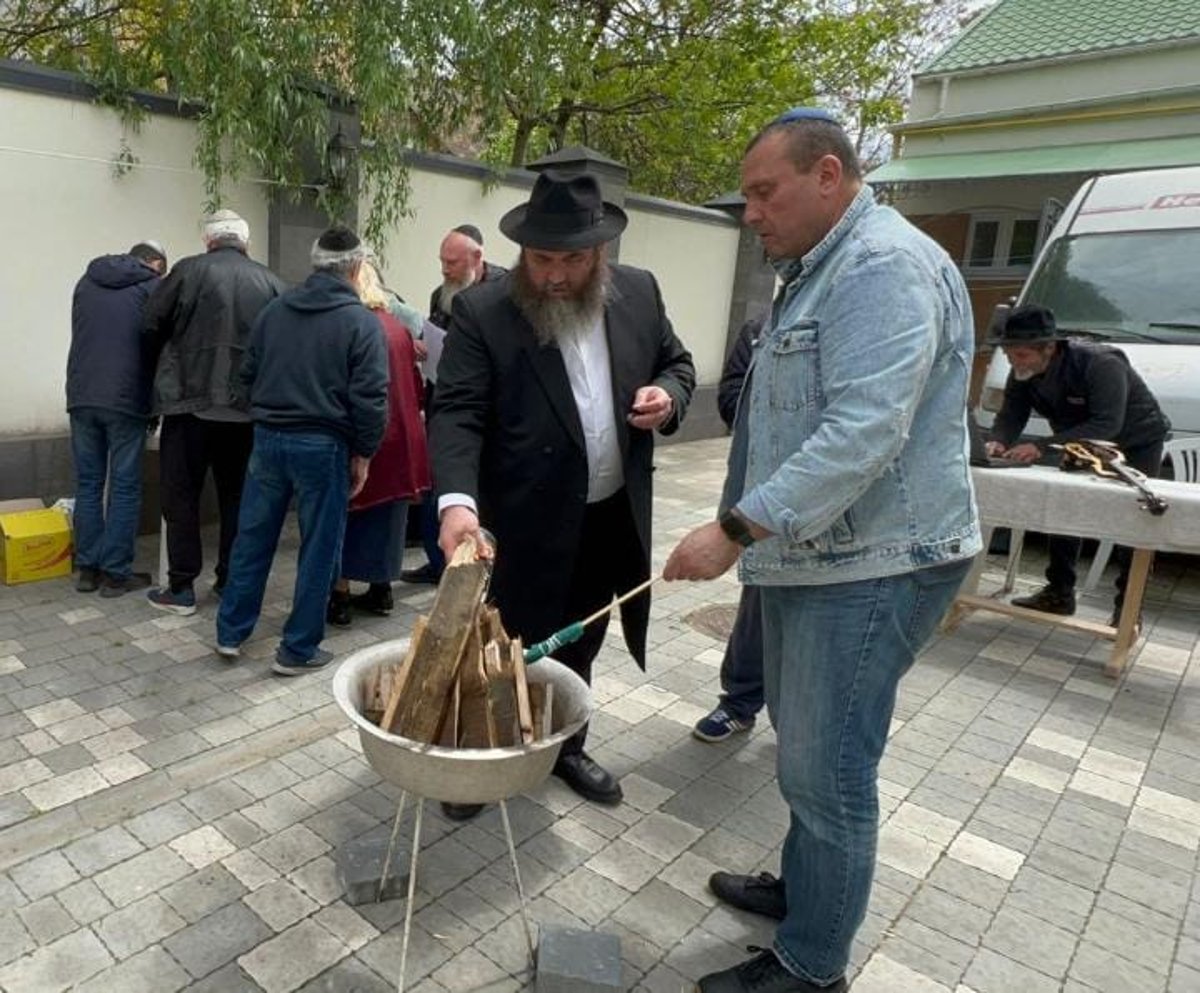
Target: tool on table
{"points": [[573, 632], [1105, 459]]}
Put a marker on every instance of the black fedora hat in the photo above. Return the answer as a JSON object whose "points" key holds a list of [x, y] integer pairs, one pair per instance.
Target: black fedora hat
{"points": [[564, 213], [1028, 325]]}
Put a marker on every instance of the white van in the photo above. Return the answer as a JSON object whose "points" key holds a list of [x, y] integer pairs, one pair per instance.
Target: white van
{"points": [[1122, 265]]}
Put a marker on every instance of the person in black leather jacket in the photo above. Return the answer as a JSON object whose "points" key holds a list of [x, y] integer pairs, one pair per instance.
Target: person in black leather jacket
{"points": [[198, 324], [1085, 390]]}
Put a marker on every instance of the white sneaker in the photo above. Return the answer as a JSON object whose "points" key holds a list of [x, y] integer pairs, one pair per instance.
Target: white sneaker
{"points": [[229, 651]]}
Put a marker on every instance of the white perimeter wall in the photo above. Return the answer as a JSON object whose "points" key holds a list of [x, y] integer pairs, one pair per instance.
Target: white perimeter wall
{"points": [[63, 205]]}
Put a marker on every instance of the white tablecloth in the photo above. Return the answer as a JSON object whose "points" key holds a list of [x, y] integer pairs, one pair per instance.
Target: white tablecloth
{"points": [[1039, 498]]}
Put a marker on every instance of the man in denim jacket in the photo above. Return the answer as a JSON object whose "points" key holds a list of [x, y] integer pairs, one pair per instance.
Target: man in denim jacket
{"points": [[848, 502]]}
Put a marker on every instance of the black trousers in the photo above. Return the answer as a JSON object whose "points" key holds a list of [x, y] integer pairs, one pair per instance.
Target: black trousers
{"points": [[609, 562], [1064, 551], [188, 448]]}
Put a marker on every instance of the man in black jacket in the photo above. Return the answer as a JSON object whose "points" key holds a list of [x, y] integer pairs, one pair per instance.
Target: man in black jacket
{"points": [[550, 387], [198, 324], [108, 399], [316, 372], [1085, 391], [461, 259]]}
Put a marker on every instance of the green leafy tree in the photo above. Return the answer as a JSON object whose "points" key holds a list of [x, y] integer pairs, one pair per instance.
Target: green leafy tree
{"points": [[672, 88]]}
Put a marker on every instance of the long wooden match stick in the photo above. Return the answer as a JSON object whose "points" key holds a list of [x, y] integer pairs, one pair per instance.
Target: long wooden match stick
{"points": [[620, 600]]}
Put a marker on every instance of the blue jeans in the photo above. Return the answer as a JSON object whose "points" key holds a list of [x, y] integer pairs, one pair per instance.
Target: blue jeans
{"points": [[742, 666], [315, 469], [833, 658], [107, 446]]}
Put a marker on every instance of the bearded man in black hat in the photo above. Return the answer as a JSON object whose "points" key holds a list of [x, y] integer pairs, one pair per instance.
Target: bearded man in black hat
{"points": [[551, 385], [1085, 390]]}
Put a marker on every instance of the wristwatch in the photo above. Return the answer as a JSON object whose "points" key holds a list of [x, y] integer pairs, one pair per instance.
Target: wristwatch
{"points": [[736, 528]]}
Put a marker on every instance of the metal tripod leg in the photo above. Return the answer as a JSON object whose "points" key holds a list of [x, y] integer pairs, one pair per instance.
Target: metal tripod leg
{"points": [[512, 854], [387, 862], [412, 891]]}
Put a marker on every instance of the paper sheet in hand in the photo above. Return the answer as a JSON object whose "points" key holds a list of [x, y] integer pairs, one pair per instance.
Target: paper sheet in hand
{"points": [[434, 337]]}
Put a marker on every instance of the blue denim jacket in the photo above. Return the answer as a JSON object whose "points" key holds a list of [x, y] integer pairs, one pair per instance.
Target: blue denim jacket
{"points": [[851, 442]]}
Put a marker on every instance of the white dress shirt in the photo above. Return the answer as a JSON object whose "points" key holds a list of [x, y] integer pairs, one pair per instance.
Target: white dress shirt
{"points": [[589, 371]]}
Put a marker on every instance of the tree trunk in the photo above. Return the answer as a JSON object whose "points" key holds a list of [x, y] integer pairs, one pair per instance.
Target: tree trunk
{"points": [[521, 142]]}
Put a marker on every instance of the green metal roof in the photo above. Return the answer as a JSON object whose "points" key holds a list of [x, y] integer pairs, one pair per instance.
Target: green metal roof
{"points": [[1016, 31], [1148, 153]]}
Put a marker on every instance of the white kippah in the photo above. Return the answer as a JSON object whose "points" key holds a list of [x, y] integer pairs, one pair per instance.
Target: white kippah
{"points": [[337, 246], [226, 224]]}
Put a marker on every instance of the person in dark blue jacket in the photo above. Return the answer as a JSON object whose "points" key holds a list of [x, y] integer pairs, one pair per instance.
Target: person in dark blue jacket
{"points": [[108, 399], [316, 374], [742, 667]]}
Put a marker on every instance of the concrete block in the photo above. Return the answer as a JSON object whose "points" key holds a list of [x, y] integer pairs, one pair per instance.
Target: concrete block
{"points": [[573, 961], [360, 865]]}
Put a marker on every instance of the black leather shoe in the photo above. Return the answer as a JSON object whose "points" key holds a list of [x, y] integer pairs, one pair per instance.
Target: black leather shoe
{"points": [[88, 580], [761, 894], [338, 611], [587, 778], [762, 974], [377, 600], [461, 811], [1049, 601], [425, 574]]}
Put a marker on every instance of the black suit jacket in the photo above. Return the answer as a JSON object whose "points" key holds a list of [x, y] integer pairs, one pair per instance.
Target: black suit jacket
{"points": [[505, 430]]}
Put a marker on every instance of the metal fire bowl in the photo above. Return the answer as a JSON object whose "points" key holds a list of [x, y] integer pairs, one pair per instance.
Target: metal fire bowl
{"points": [[460, 775]]}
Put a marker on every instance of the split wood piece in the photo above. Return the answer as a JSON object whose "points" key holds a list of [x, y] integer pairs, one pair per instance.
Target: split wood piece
{"points": [[541, 700], [502, 696], [450, 732], [425, 692], [401, 673], [476, 725], [516, 653]]}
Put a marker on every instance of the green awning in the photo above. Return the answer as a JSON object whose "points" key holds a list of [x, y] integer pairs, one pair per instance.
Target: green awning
{"points": [[1145, 153]]}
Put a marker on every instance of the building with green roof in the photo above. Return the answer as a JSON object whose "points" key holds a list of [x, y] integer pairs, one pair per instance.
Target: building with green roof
{"points": [[1032, 98]]}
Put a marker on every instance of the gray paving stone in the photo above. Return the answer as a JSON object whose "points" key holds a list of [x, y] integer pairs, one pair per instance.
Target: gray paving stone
{"points": [[199, 894], [84, 901], [46, 920], [162, 824], [143, 874], [1108, 972], [57, 966], [1031, 941], [130, 929], [290, 959], [216, 939], [991, 972], [105, 848], [15, 939], [43, 875], [571, 961], [150, 971]]}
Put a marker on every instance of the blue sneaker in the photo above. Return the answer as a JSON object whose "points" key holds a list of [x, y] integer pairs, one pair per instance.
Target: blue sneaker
{"points": [[181, 602], [287, 665], [719, 725]]}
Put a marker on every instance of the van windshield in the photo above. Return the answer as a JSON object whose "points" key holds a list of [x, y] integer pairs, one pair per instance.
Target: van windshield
{"points": [[1132, 285]]}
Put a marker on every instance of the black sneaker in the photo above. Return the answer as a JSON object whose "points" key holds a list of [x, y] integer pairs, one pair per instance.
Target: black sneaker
{"points": [[114, 587], [1049, 601], [338, 611], [461, 811], [761, 894], [762, 974], [88, 579], [286, 665], [377, 600]]}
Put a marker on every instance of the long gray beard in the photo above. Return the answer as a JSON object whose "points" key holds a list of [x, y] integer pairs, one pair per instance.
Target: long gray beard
{"points": [[554, 319], [447, 294]]}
